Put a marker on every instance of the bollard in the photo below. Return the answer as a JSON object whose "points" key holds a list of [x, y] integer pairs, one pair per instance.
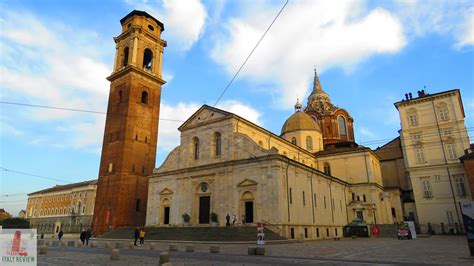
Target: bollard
{"points": [[189, 248], [43, 250], [252, 250], [214, 249], [152, 246], [164, 257], [115, 255], [108, 245], [260, 251], [118, 245], [71, 243], [79, 243], [131, 245], [173, 247], [93, 244]]}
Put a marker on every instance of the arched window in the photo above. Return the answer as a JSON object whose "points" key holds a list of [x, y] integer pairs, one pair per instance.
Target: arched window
{"points": [[342, 126], [309, 143], [293, 140], [218, 142], [120, 93], [125, 56], [147, 59], [327, 168], [196, 148], [144, 97]]}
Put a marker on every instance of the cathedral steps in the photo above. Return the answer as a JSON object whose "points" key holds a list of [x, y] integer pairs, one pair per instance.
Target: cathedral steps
{"points": [[221, 234]]}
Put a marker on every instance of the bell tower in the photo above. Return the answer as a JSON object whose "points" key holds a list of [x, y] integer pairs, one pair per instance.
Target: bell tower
{"points": [[131, 127]]}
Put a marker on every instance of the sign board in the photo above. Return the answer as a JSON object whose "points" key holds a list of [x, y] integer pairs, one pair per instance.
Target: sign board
{"points": [[467, 210], [411, 227], [260, 234], [18, 247]]}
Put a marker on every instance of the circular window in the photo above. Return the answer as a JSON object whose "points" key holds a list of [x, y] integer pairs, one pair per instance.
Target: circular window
{"points": [[151, 27], [204, 187]]}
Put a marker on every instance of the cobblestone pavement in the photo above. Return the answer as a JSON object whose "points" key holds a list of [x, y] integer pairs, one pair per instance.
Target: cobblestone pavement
{"points": [[445, 250]]}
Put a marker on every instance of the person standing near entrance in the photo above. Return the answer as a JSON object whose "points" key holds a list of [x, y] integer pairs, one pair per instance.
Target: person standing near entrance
{"points": [[142, 236], [227, 218], [60, 235], [136, 234], [234, 219], [88, 236], [243, 219]]}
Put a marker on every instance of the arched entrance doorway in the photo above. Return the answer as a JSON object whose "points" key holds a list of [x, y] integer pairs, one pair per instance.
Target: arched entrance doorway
{"points": [[202, 203], [165, 211], [247, 205]]}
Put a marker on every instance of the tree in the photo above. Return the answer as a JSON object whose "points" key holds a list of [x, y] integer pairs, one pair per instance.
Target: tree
{"points": [[15, 223]]}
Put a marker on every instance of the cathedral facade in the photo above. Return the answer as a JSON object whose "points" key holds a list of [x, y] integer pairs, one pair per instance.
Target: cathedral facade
{"points": [[308, 182]]}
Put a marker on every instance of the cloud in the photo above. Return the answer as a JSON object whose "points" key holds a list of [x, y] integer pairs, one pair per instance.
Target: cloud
{"points": [[168, 134], [53, 65], [184, 20], [340, 35], [441, 17]]}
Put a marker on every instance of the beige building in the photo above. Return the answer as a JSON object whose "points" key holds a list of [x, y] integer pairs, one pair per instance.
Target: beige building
{"points": [[67, 207], [433, 137], [228, 165]]}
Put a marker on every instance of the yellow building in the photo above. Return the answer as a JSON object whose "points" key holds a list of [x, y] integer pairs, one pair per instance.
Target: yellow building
{"points": [[228, 165], [433, 137], [67, 207]]}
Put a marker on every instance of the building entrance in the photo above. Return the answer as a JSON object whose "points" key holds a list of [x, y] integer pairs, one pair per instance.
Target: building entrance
{"points": [[166, 215], [249, 212], [204, 209]]}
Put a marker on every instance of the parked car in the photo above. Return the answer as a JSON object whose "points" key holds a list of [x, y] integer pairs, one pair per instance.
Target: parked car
{"points": [[403, 231]]}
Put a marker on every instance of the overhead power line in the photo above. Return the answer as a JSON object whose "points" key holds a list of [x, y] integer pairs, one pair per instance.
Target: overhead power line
{"points": [[83, 110], [248, 57], [28, 174]]}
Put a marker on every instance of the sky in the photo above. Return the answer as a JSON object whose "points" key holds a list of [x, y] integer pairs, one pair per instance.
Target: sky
{"points": [[368, 54]]}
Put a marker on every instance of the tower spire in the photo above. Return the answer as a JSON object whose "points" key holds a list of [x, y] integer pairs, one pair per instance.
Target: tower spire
{"points": [[316, 84]]}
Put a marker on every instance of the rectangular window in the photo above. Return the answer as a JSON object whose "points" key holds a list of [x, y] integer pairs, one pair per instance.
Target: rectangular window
{"points": [[451, 151], [317, 232], [449, 214], [353, 196], [327, 232], [360, 215], [291, 197], [393, 213], [304, 200], [443, 114], [110, 167], [335, 231], [460, 187], [137, 205], [416, 137], [427, 191], [306, 233], [419, 155], [413, 120], [292, 233], [365, 200]]}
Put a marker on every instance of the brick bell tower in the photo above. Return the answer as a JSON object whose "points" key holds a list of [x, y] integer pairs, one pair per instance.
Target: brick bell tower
{"points": [[131, 127]]}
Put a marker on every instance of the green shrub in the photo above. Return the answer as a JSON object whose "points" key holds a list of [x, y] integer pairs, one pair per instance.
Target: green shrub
{"points": [[213, 217], [186, 217], [15, 223]]}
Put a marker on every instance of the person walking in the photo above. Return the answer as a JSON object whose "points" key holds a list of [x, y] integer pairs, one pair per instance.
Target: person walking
{"points": [[83, 237], [136, 235], [142, 236], [88, 236], [60, 235]]}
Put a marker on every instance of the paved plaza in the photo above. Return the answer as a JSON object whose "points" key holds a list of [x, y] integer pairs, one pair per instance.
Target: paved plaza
{"points": [[444, 250]]}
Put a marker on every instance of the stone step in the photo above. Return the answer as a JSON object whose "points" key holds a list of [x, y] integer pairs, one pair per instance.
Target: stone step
{"points": [[247, 233]]}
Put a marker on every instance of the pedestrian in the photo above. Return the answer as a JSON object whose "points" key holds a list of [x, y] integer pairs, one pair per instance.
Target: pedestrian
{"points": [[42, 235], [88, 236], [142, 236], [83, 237], [60, 235], [243, 219], [136, 235], [234, 219], [227, 217]]}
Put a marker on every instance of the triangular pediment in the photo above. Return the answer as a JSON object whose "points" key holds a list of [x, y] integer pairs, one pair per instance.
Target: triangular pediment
{"points": [[247, 182], [166, 192], [206, 114]]}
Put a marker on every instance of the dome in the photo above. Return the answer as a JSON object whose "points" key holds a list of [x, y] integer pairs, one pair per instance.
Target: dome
{"points": [[299, 121]]}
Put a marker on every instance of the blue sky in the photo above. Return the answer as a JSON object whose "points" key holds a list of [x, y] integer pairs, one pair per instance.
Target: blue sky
{"points": [[368, 55]]}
